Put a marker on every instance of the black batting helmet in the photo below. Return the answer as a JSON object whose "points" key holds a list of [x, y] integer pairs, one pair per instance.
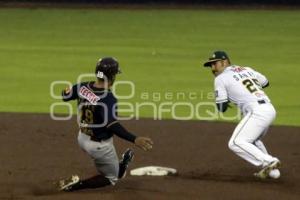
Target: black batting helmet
{"points": [[107, 67]]}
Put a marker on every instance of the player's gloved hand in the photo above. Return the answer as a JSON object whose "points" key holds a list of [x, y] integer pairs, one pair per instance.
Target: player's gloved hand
{"points": [[144, 143]]}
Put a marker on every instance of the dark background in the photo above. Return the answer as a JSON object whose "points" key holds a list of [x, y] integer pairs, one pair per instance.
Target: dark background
{"points": [[167, 2]]}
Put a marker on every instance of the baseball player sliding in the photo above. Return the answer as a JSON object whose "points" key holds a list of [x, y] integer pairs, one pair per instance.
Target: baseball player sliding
{"points": [[243, 87], [98, 123]]}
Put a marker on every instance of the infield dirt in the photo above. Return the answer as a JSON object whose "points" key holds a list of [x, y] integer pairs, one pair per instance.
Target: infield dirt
{"points": [[36, 151]]}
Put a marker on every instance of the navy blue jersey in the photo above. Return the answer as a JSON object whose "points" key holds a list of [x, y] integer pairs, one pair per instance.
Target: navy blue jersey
{"points": [[97, 108]]}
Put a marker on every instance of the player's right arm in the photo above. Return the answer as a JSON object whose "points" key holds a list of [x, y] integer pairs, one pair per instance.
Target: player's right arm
{"points": [[221, 95], [70, 93]]}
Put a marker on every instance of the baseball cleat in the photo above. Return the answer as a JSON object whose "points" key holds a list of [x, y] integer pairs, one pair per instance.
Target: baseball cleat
{"points": [[67, 184], [264, 173], [126, 159]]}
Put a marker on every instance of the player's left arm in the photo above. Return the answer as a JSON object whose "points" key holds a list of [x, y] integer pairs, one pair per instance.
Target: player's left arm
{"points": [[112, 122], [115, 126], [143, 142], [222, 107], [120, 131], [221, 95]]}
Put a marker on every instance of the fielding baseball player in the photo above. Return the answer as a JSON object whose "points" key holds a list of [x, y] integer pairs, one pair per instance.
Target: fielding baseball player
{"points": [[243, 87], [98, 123]]}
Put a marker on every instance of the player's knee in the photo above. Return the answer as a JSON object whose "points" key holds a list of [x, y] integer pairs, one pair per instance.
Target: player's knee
{"points": [[234, 144], [240, 143]]}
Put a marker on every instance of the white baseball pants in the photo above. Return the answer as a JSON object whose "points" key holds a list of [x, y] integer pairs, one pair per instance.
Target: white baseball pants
{"points": [[245, 140], [104, 155]]}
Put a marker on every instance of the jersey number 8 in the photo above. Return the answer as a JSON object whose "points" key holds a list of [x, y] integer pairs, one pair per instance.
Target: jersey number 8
{"points": [[87, 115]]}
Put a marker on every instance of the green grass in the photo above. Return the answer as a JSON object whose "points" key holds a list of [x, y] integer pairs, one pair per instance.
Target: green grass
{"points": [[159, 50]]}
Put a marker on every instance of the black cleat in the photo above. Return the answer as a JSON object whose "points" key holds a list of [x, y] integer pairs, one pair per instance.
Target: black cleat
{"points": [[126, 159]]}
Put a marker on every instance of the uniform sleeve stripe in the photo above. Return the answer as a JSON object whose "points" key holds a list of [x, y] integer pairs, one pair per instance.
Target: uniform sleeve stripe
{"points": [[221, 101], [265, 83], [111, 123]]}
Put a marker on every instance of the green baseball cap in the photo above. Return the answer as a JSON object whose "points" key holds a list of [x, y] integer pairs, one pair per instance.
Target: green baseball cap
{"points": [[217, 55]]}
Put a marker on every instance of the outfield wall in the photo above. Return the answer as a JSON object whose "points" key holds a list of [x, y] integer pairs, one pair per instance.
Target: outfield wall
{"points": [[180, 2]]}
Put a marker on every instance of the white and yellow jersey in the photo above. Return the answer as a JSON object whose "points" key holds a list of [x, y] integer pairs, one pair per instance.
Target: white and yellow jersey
{"points": [[240, 85]]}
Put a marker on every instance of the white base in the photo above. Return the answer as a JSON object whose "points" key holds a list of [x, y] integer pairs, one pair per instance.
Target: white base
{"points": [[153, 171]]}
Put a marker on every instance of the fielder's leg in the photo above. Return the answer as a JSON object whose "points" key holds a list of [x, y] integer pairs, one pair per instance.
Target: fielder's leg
{"points": [[259, 142], [241, 142]]}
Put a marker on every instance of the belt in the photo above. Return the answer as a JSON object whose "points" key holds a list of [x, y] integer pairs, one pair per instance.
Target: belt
{"points": [[261, 102], [96, 139]]}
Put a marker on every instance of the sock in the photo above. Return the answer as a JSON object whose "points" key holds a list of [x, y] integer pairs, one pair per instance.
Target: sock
{"points": [[122, 169]]}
